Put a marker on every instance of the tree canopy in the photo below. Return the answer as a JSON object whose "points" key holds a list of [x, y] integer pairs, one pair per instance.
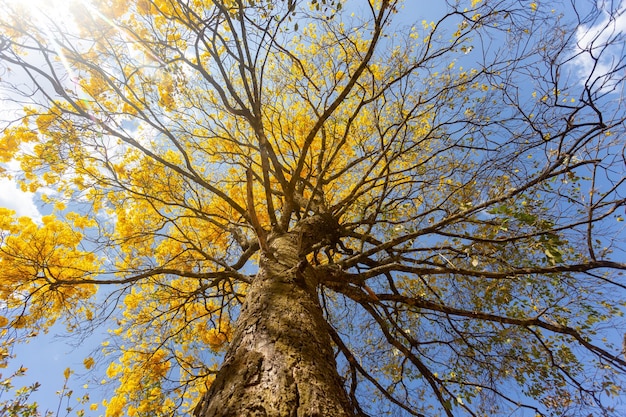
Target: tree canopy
{"points": [[456, 187]]}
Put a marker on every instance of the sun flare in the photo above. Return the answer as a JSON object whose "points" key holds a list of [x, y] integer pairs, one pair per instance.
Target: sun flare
{"points": [[59, 11]]}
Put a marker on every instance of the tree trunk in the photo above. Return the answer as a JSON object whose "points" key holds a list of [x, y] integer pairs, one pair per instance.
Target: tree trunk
{"points": [[280, 361]]}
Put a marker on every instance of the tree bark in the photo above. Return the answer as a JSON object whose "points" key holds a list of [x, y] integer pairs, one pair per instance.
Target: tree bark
{"points": [[280, 361]]}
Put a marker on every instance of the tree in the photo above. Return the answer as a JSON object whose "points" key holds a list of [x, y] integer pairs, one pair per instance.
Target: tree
{"points": [[315, 208]]}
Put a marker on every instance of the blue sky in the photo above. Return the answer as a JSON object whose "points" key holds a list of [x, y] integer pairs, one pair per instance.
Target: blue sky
{"points": [[48, 356]]}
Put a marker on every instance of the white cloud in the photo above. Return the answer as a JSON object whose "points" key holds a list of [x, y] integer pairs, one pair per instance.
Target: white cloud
{"points": [[600, 46], [15, 199]]}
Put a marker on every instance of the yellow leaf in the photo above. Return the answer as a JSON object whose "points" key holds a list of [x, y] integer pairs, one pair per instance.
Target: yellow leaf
{"points": [[88, 362]]}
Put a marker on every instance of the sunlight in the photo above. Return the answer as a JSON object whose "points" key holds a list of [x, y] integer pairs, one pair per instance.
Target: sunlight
{"points": [[50, 17], [53, 9]]}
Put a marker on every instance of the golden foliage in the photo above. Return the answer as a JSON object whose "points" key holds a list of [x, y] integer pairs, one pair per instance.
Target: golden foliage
{"points": [[161, 107]]}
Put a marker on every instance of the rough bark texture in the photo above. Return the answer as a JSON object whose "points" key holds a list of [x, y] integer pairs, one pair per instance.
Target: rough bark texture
{"points": [[280, 362]]}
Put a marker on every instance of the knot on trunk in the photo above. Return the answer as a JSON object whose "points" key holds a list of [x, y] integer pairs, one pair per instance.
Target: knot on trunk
{"points": [[318, 230], [286, 255]]}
